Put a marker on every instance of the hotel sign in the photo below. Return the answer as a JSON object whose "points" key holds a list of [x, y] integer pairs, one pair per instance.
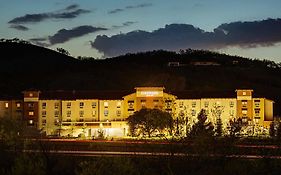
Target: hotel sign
{"points": [[149, 93]]}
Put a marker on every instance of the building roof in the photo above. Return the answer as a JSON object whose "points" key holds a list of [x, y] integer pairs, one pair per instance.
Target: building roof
{"points": [[72, 95]]}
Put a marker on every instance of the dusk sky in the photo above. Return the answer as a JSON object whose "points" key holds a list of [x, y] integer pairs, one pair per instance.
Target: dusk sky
{"points": [[249, 28]]}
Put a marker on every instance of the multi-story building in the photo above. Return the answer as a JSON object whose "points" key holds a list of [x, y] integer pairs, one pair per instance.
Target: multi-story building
{"points": [[71, 113]]}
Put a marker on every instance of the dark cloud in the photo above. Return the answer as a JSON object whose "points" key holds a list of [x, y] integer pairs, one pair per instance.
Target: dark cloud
{"points": [[182, 36], [129, 7], [71, 11], [19, 27], [124, 24], [64, 35], [115, 11]]}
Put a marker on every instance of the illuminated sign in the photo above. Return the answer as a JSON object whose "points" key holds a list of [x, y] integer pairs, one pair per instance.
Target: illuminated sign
{"points": [[149, 93]]}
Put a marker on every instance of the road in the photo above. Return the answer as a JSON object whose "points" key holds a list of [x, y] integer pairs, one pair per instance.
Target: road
{"points": [[146, 154]]}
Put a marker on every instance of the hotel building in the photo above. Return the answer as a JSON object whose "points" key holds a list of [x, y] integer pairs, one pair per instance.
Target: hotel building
{"points": [[71, 113]]}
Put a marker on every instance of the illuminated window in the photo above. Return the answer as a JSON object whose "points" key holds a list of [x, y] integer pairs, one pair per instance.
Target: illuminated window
{"points": [[44, 105], [81, 113], [231, 104], [131, 103], [244, 93], [193, 104], [118, 113], [105, 104], [94, 104], [44, 122], [68, 105], [30, 113], [56, 105], [57, 113], [257, 103], [18, 105], [30, 94], [168, 103], [30, 122], [257, 111], [68, 113], [94, 113], [206, 104], [81, 104], [6, 105], [244, 112], [193, 112], [106, 112], [244, 102], [118, 104]]}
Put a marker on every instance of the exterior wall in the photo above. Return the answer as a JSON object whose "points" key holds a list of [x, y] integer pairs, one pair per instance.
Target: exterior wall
{"points": [[188, 108], [225, 108], [49, 115], [90, 116]]}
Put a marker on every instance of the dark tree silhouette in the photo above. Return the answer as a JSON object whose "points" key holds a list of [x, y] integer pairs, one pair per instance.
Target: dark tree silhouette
{"points": [[149, 121]]}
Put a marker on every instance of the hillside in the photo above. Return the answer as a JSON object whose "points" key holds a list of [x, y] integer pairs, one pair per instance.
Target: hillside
{"points": [[25, 66]]}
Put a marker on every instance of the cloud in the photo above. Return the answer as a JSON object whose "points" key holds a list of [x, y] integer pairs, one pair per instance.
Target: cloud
{"points": [[181, 36], [71, 11], [64, 35], [124, 24], [129, 7], [19, 27]]}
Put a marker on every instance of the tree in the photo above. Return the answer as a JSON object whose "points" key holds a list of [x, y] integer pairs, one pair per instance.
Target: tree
{"points": [[216, 112], [63, 51], [149, 121], [235, 127], [272, 130], [202, 127]]}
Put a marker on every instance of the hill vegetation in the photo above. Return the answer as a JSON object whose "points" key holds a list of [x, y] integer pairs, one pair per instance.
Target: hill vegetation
{"points": [[26, 66]]}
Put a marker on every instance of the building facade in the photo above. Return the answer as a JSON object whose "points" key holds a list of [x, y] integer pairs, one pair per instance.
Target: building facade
{"points": [[92, 113]]}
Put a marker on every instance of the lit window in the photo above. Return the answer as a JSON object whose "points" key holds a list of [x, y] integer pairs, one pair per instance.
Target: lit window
{"points": [[105, 104], [105, 112], [44, 105], [18, 105], [94, 113], [231, 104], [118, 113], [118, 104], [244, 112], [193, 104], [56, 105], [30, 113], [30, 122], [81, 113], [44, 122], [6, 105], [193, 112], [244, 102], [94, 104], [68, 105], [244, 93], [56, 113], [206, 104], [68, 113], [30, 94], [81, 104], [131, 103]]}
